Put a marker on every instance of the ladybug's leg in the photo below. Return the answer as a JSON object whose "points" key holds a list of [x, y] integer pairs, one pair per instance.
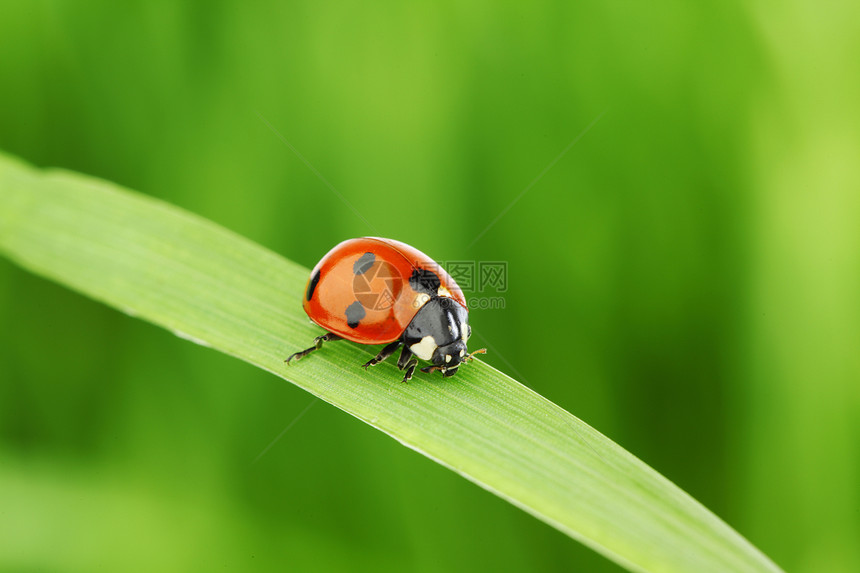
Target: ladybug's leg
{"points": [[408, 362], [318, 342], [384, 354]]}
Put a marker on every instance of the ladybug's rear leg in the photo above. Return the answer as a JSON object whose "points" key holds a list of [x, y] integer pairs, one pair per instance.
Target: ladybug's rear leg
{"points": [[408, 362], [384, 354], [318, 342]]}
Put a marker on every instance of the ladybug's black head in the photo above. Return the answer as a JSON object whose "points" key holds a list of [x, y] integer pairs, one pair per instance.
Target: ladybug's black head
{"points": [[439, 333], [447, 358]]}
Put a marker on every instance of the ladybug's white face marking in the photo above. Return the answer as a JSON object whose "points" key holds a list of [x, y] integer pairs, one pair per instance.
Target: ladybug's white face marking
{"points": [[425, 348]]}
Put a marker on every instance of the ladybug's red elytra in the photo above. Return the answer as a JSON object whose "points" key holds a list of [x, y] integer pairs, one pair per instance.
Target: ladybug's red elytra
{"points": [[381, 291]]}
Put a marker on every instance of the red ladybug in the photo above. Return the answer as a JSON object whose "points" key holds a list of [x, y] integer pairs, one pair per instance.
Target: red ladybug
{"points": [[381, 291]]}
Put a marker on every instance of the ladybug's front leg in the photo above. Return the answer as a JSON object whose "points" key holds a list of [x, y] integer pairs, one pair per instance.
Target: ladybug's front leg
{"points": [[383, 354], [408, 362], [318, 342]]}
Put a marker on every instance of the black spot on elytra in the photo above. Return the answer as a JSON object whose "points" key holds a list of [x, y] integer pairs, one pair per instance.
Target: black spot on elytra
{"points": [[363, 264], [426, 281], [354, 313], [312, 284]]}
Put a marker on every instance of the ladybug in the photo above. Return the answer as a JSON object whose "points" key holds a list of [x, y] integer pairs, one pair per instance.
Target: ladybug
{"points": [[380, 291]]}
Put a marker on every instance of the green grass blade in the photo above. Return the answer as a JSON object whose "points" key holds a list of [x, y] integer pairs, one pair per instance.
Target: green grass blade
{"points": [[175, 269]]}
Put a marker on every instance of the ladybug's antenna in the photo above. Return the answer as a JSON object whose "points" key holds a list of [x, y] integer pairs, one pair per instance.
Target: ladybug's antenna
{"points": [[472, 354]]}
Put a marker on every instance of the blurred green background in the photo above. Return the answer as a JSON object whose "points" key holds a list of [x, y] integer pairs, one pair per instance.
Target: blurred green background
{"points": [[685, 278]]}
